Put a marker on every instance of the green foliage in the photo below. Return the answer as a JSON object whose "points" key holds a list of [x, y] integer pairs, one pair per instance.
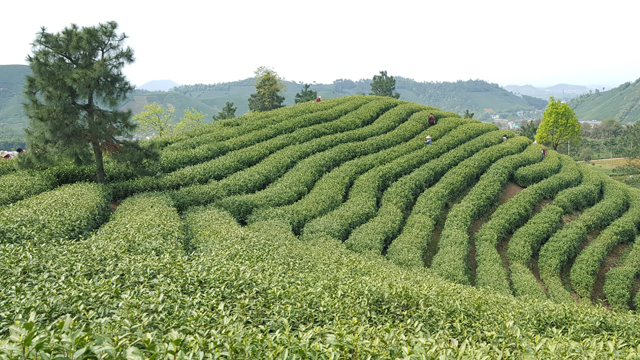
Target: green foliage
{"points": [[155, 119], [532, 174], [297, 182], [228, 112], [559, 125], [451, 260], [586, 155], [306, 95], [384, 85], [21, 185], [564, 245], [268, 88], [356, 126], [65, 213], [368, 190], [74, 92], [468, 115], [191, 118], [508, 217]]}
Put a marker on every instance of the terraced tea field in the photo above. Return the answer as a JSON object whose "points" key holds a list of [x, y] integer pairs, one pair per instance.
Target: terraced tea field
{"points": [[323, 230]]}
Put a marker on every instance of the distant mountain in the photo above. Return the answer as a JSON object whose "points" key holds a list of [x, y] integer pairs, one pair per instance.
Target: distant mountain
{"points": [[559, 91], [472, 95], [12, 117], [158, 85], [622, 103]]}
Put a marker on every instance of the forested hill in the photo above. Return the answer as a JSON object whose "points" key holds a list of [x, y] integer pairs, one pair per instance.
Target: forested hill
{"points": [[474, 95], [12, 118], [622, 103]]}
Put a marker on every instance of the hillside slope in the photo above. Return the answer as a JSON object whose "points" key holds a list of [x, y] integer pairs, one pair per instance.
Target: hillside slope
{"points": [[621, 103], [319, 230]]}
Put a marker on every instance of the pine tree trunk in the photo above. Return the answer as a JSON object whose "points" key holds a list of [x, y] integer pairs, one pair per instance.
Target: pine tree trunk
{"points": [[97, 151]]}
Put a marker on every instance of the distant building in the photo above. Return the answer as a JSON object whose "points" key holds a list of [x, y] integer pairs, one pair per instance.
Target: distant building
{"points": [[495, 117], [590, 122]]}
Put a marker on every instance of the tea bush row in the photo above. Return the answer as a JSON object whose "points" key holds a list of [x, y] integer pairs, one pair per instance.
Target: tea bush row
{"points": [[259, 176], [450, 261], [329, 192], [68, 212], [378, 233], [297, 182], [173, 159], [144, 224], [619, 281], [527, 240], [258, 292], [586, 266], [535, 173], [490, 271], [367, 190], [221, 130], [564, 244], [236, 161], [409, 248]]}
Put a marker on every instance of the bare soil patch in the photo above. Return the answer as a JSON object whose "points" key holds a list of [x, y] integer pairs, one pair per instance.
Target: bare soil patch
{"points": [[511, 190], [113, 206], [471, 261]]}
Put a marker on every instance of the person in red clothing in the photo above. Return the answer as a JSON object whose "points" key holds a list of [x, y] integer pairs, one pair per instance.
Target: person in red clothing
{"points": [[432, 119], [544, 152], [318, 98]]}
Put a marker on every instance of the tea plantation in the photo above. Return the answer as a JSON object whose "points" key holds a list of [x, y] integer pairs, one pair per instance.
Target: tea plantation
{"points": [[324, 231]]}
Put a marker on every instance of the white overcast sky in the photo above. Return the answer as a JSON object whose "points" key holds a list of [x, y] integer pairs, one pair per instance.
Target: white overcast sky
{"points": [[539, 42]]}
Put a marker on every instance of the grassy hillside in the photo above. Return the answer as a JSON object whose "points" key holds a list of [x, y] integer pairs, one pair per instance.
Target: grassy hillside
{"points": [[323, 230], [621, 103]]}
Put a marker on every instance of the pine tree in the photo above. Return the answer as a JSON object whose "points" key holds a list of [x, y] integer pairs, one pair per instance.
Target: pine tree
{"points": [[74, 94], [228, 112], [384, 85], [306, 95]]}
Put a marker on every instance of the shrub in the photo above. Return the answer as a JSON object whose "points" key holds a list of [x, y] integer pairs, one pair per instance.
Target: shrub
{"points": [[67, 212]]}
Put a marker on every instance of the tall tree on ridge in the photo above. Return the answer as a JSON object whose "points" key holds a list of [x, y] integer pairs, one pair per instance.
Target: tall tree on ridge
{"points": [[268, 88], [384, 85], [74, 93], [559, 125]]}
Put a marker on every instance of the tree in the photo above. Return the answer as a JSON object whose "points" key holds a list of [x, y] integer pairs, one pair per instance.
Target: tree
{"points": [[384, 85], [228, 112], [586, 155], [630, 142], [190, 119], [468, 115], [559, 125], [611, 128], [529, 130], [268, 88], [74, 92], [306, 95], [155, 119]]}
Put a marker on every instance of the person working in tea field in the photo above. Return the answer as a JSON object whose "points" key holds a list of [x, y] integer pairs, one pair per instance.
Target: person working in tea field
{"points": [[432, 119], [428, 142], [504, 138], [318, 98], [544, 152]]}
